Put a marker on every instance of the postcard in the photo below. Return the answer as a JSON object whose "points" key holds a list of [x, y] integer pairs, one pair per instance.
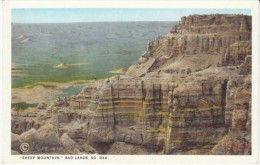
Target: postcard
{"points": [[130, 81]]}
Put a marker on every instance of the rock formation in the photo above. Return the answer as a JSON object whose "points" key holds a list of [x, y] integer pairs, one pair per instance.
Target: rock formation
{"points": [[190, 93]]}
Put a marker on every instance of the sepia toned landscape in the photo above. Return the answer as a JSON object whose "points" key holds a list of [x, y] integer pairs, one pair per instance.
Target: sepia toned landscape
{"points": [[142, 88]]}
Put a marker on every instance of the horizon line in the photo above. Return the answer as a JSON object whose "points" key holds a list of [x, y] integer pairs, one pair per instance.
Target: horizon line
{"points": [[104, 16], [84, 22]]}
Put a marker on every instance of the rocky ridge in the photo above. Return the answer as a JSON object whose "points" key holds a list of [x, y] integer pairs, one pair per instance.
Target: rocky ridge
{"points": [[190, 93]]}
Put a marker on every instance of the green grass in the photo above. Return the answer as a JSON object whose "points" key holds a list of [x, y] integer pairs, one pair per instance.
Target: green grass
{"points": [[22, 106]]}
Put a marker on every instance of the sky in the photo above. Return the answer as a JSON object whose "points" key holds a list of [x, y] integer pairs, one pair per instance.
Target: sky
{"points": [[69, 15]]}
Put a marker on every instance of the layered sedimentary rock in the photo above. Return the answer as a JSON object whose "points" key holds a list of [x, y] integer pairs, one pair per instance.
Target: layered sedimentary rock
{"points": [[228, 36], [24, 121], [190, 93]]}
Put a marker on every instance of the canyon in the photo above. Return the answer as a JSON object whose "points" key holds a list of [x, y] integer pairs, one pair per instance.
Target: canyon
{"points": [[189, 94]]}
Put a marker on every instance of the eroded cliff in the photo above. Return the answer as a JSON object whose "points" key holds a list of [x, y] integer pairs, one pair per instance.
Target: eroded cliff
{"points": [[190, 93]]}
